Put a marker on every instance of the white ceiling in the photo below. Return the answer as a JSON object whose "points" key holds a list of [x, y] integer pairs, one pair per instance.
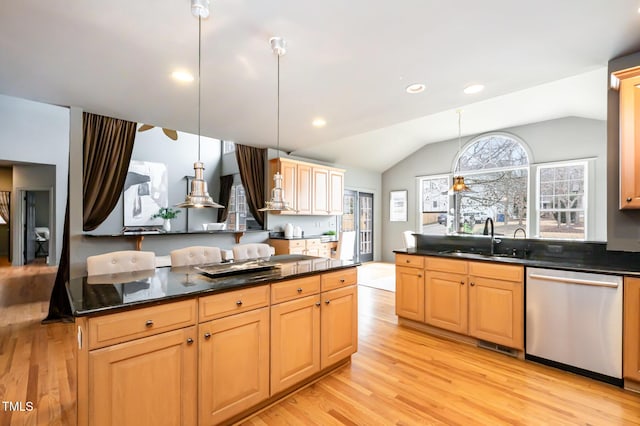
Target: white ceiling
{"points": [[348, 61]]}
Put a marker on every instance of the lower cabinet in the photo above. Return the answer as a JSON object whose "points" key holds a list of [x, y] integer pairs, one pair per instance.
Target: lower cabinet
{"points": [[410, 293], [446, 299], [338, 325], [148, 381], [295, 342], [234, 365], [631, 325]]}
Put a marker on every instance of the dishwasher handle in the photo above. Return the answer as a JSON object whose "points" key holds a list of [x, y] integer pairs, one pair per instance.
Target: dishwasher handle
{"points": [[575, 281]]}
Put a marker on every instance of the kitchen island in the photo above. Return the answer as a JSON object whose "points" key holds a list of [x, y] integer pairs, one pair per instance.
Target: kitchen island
{"points": [[206, 346]]}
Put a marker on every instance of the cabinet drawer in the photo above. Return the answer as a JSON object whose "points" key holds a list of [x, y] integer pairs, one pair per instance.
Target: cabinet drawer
{"points": [[338, 279], [233, 302], [446, 265], [409, 260], [293, 244], [313, 243], [293, 289], [124, 326], [494, 270]]}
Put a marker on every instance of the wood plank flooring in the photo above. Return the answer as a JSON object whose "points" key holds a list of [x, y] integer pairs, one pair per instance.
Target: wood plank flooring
{"points": [[399, 376]]}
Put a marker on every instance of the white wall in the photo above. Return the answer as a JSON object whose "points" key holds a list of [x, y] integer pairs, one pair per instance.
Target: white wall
{"points": [[554, 140], [33, 132]]}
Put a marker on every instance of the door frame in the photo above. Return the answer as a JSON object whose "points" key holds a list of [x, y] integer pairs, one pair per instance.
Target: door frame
{"points": [[357, 192], [18, 223]]}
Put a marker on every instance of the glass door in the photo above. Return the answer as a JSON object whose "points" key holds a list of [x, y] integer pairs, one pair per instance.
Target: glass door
{"points": [[358, 216]]}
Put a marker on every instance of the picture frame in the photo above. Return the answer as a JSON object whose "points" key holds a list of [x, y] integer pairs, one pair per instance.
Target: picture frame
{"points": [[398, 206]]}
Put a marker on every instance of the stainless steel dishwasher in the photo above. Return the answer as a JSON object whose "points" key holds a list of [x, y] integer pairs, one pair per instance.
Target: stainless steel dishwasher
{"points": [[574, 322]]}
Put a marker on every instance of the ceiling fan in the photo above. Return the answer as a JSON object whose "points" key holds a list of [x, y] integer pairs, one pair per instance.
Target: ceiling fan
{"points": [[171, 134]]}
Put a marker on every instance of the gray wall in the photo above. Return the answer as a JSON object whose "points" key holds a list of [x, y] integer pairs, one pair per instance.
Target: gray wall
{"points": [[623, 226], [6, 184], [549, 141], [37, 133]]}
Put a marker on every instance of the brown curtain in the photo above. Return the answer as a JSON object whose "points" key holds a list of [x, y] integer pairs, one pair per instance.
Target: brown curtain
{"points": [[226, 182], [5, 201], [251, 162], [59, 305], [107, 143]]}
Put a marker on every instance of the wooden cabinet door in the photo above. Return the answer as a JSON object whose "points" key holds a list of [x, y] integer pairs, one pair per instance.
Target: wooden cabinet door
{"points": [[234, 365], [631, 326], [320, 191], [336, 192], [496, 311], [410, 293], [304, 189], [630, 141], [339, 325], [289, 171], [446, 301], [295, 342], [125, 387]]}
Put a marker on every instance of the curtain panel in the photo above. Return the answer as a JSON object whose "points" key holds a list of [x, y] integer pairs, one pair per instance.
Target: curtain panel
{"points": [[252, 163], [5, 202], [108, 144], [226, 183]]}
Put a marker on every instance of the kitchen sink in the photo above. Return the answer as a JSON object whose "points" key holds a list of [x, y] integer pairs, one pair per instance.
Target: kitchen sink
{"points": [[479, 254]]}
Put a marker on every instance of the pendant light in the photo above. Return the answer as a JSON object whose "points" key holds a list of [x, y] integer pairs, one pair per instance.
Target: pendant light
{"points": [[199, 196], [458, 180], [277, 203]]}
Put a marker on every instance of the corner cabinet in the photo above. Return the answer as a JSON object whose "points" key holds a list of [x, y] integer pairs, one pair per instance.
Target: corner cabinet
{"points": [[310, 189], [629, 92], [631, 326]]}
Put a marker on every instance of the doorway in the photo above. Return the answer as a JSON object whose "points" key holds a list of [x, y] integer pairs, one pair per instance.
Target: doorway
{"points": [[358, 216], [36, 228]]}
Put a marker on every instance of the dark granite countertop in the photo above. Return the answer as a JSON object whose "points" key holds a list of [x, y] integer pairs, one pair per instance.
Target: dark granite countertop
{"points": [[105, 293]]}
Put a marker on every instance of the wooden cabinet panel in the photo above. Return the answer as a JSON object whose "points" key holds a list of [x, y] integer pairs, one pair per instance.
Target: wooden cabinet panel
{"points": [[125, 387], [233, 302], [446, 301], [410, 293], [320, 182], [497, 271], [294, 289], [446, 265], [295, 342], [124, 326], [629, 138], [341, 278], [496, 311], [336, 192], [631, 326], [234, 365], [339, 325], [304, 197], [412, 261]]}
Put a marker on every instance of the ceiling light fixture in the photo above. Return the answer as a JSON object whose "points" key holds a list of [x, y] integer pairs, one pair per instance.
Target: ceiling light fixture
{"points": [[458, 180], [319, 122], [474, 88], [415, 88], [199, 196], [277, 202], [182, 76]]}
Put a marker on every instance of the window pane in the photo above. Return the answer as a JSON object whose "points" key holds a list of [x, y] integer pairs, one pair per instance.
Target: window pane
{"points": [[435, 204], [562, 201], [495, 151]]}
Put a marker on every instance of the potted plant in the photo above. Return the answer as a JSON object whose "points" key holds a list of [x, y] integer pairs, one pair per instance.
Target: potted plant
{"points": [[166, 213]]}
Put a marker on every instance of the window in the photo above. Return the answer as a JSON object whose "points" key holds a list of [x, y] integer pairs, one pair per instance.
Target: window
{"points": [[435, 204], [228, 147], [238, 210], [562, 200], [496, 168]]}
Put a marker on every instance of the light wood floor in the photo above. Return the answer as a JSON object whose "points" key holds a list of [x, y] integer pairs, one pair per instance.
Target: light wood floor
{"points": [[399, 376]]}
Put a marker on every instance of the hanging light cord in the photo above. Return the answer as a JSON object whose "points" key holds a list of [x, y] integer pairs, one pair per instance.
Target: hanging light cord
{"points": [[199, 88], [459, 140], [278, 111]]}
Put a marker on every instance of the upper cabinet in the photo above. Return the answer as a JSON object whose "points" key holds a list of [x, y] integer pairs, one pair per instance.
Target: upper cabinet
{"points": [[310, 189], [629, 80]]}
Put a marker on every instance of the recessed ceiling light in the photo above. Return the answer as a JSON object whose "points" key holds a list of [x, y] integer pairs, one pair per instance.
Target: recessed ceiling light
{"points": [[182, 76], [415, 88], [319, 122], [474, 88]]}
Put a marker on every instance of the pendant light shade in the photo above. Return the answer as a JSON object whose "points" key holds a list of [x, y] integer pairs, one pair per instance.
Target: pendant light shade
{"points": [[277, 202], [198, 196], [458, 180]]}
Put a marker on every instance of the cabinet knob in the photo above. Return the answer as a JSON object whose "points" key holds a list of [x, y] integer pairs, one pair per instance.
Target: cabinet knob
{"points": [[342, 280], [408, 261], [628, 199], [239, 303], [189, 341], [207, 336], [317, 303], [149, 323], [419, 275], [461, 282], [472, 284], [327, 301], [299, 290]]}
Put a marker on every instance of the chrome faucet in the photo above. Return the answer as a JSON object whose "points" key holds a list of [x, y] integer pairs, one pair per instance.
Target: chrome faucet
{"points": [[524, 232], [494, 240]]}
